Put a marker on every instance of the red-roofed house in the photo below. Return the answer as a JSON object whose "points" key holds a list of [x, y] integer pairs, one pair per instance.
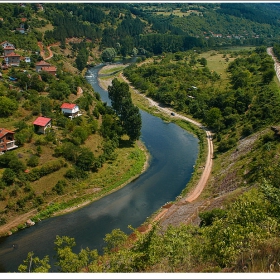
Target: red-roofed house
{"points": [[70, 110], [7, 141], [50, 69], [12, 59], [39, 65], [6, 44], [41, 124], [8, 50]]}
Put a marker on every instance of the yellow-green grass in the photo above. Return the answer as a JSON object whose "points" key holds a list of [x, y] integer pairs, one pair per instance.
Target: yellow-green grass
{"points": [[111, 70]]}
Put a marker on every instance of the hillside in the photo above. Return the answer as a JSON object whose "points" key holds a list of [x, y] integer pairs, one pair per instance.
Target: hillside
{"points": [[204, 61]]}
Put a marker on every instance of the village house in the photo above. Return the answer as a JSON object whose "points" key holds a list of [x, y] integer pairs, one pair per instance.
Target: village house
{"points": [[12, 59], [39, 65], [7, 141], [50, 69], [8, 50], [41, 124], [70, 110], [20, 30], [6, 44]]}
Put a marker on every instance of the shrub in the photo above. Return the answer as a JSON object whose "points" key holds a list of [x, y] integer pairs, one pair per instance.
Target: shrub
{"points": [[59, 187], [33, 161]]}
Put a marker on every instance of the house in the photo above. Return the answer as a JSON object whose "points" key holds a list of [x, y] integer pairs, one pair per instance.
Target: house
{"points": [[39, 65], [20, 30], [12, 59], [7, 141], [70, 110], [50, 69], [8, 50], [6, 44], [41, 124]]}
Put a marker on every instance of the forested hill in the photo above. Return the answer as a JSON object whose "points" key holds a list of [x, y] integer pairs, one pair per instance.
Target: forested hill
{"points": [[144, 27]]}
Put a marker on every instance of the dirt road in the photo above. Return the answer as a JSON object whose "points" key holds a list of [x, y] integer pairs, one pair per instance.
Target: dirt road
{"points": [[208, 165], [276, 63], [42, 52]]}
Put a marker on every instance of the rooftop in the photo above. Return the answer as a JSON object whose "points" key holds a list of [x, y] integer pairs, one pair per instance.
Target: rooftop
{"points": [[42, 121]]}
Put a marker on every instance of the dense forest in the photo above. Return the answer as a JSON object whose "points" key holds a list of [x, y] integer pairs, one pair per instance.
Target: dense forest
{"points": [[239, 104]]}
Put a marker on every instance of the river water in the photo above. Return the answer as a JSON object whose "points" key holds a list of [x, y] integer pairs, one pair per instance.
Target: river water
{"points": [[173, 155]]}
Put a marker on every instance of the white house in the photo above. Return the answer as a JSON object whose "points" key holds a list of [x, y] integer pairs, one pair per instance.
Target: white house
{"points": [[6, 44], [70, 110]]}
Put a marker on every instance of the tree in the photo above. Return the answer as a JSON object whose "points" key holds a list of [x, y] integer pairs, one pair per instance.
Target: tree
{"points": [[133, 123], [214, 118], [8, 106], [119, 93], [114, 240], [108, 54], [85, 159], [82, 58], [67, 260], [203, 61], [128, 113], [9, 176], [34, 264]]}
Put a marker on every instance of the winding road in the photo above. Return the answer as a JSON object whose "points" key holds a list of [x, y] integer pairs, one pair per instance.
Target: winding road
{"points": [[276, 63], [195, 193]]}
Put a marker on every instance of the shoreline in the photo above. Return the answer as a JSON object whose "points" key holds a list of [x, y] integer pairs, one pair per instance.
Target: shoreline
{"points": [[19, 223]]}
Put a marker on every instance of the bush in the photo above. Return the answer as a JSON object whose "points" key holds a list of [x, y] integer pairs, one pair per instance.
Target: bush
{"points": [[33, 161], [9, 176], [48, 168], [59, 187]]}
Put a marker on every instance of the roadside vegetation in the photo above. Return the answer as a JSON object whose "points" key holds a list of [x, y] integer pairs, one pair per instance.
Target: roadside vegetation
{"points": [[192, 61]]}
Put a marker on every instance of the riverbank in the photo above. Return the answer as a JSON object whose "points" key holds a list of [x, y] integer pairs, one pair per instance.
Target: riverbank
{"points": [[186, 203], [78, 201]]}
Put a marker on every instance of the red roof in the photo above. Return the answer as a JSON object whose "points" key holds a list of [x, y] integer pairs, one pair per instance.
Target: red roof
{"points": [[49, 68], [42, 121], [12, 54], [9, 48], [4, 131], [67, 106], [42, 63]]}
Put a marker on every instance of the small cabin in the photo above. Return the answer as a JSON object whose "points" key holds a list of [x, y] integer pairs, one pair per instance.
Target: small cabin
{"points": [[7, 141], [41, 124], [70, 110]]}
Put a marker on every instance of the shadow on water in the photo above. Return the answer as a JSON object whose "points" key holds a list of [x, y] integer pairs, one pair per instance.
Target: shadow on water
{"points": [[173, 155]]}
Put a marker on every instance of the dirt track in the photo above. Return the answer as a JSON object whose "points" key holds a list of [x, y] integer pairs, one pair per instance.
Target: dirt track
{"points": [[186, 208]]}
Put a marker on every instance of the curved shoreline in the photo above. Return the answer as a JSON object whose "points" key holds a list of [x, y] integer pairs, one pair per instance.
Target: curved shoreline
{"points": [[199, 187], [19, 221]]}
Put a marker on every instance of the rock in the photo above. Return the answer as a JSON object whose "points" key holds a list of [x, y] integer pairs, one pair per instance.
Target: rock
{"points": [[30, 223]]}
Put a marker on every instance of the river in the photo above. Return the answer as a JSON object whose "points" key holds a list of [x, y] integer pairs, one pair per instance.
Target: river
{"points": [[173, 155]]}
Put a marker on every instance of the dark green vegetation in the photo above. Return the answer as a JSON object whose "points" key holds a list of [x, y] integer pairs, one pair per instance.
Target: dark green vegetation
{"points": [[241, 234], [232, 108]]}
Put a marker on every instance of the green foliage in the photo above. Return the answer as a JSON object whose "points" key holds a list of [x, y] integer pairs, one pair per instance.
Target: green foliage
{"points": [[35, 264], [108, 54], [48, 168], [208, 217], [69, 261], [8, 106], [59, 187], [114, 241], [8, 176], [128, 113]]}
